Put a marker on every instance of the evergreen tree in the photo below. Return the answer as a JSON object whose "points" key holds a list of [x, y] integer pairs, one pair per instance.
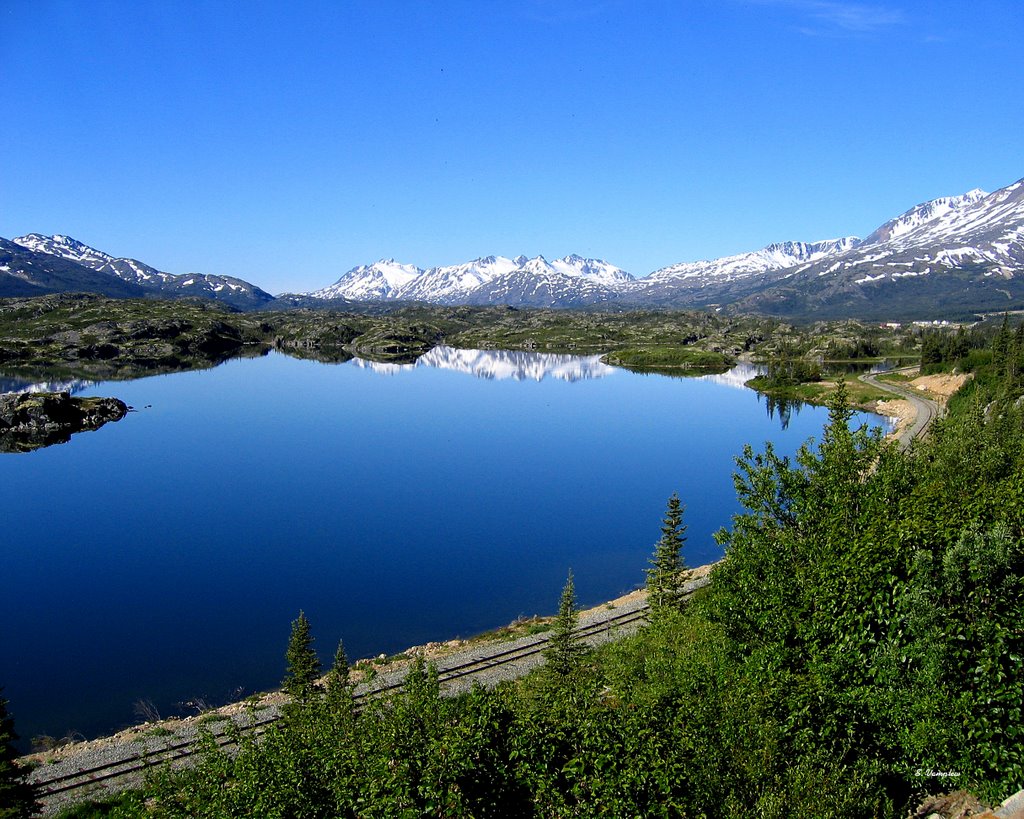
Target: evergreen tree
{"points": [[17, 797], [665, 577], [339, 690], [564, 650], [303, 665], [1014, 361], [1001, 345], [339, 670], [339, 694]]}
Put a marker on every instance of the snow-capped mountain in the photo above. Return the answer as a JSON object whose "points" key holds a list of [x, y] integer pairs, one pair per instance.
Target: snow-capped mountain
{"points": [[977, 228], [66, 248], [925, 212], [522, 281], [773, 257], [539, 283], [228, 289], [25, 272], [371, 282], [592, 269], [956, 254], [500, 364], [451, 284], [949, 256]]}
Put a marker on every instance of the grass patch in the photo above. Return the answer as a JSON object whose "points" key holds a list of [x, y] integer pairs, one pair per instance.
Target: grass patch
{"points": [[111, 806], [159, 731], [523, 627], [668, 358], [210, 719], [859, 394], [391, 658], [896, 378]]}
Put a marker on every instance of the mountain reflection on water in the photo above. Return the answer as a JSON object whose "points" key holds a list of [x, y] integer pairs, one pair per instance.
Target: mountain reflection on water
{"points": [[22, 385], [737, 377], [500, 364]]}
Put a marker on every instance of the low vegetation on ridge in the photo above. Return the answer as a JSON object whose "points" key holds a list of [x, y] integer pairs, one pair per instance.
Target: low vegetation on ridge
{"points": [[83, 336]]}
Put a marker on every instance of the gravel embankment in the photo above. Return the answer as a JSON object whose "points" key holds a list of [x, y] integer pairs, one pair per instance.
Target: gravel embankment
{"points": [[925, 409]]}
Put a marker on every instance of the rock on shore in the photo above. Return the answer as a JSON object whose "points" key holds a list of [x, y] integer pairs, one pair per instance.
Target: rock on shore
{"points": [[32, 420]]}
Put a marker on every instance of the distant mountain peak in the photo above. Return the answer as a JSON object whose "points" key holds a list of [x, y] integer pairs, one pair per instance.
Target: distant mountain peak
{"points": [[923, 213], [388, 280], [65, 247], [141, 278]]}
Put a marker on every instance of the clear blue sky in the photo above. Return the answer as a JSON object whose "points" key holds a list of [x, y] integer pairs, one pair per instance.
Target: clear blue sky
{"points": [[287, 142]]}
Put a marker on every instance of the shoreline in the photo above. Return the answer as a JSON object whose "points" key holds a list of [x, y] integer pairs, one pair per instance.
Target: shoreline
{"points": [[364, 673]]}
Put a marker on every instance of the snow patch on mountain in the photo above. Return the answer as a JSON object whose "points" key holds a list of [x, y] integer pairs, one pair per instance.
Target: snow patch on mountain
{"points": [[490, 279], [225, 288], [452, 283], [594, 269], [371, 282], [925, 212], [66, 248], [778, 256]]}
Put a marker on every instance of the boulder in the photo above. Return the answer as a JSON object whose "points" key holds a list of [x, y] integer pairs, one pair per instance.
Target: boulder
{"points": [[33, 420]]}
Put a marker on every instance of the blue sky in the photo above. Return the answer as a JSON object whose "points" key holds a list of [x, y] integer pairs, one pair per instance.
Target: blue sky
{"points": [[286, 143]]}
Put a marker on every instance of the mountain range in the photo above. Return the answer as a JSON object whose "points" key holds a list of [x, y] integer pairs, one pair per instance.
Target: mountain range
{"points": [[35, 264], [948, 257]]}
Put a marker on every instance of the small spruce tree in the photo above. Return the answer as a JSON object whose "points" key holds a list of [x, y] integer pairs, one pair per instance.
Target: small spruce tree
{"points": [[339, 669], [17, 797], [665, 578], [338, 696], [303, 665], [564, 650]]}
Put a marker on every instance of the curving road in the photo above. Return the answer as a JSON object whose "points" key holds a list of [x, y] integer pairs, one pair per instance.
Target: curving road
{"points": [[926, 409]]}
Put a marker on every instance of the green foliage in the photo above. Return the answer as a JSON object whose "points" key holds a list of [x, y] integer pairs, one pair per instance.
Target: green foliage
{"points": [[942, 350], [17, 797], [339, 668], [670, 358], [789, 372], [665, 577], [339, 689], [564, 651], [303, 665]]}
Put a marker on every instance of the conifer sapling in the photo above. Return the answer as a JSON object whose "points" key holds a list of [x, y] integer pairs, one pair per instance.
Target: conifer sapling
{"points": [[665, 578], [303, 667]]}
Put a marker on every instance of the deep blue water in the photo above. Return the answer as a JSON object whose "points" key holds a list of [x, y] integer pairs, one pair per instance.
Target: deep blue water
{"points": [[164, 557]]}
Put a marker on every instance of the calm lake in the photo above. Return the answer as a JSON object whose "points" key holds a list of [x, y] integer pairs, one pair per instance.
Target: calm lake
{"points": [[163, 557]]}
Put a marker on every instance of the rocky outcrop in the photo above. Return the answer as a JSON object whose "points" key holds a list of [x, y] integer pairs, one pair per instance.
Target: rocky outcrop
{"points": [[32, 420]]}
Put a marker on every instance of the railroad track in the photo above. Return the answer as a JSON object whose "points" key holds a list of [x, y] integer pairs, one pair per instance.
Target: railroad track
{"points": [[926, 409], [115, 775]]}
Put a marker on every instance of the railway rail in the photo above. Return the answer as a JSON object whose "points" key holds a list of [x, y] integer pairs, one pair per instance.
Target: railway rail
{"points": [[926, 410]]}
